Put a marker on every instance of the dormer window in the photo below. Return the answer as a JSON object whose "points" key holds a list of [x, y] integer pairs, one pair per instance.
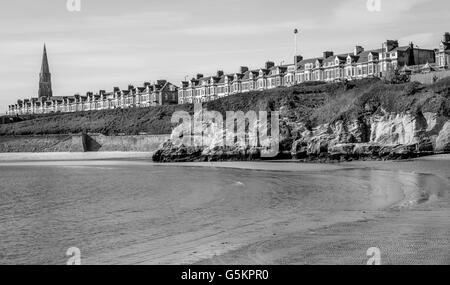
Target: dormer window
{"points": [[370, 57]]}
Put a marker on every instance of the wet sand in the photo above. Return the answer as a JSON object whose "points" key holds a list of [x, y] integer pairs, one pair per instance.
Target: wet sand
{"points": [[411, 236], [72, 156], [247, 219]]}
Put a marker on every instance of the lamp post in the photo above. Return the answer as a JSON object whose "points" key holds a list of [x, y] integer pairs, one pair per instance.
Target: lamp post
{"points": [[295, 55]]}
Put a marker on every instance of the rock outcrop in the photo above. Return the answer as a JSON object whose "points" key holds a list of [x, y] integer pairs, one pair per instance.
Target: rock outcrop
{"points": [[443, 140], [385, 136], [366, 119]]}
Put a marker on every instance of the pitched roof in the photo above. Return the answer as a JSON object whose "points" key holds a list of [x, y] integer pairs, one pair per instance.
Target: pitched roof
{"points": [[222, 78], [341, 57], [264, 71], [273, 71], [301, 64], [247, 74], [239, 76], [310, 60], [403, 48]]}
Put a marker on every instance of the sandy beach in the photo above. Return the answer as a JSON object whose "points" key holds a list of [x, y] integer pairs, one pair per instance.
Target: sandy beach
{"points": [[71, 156], [417, 235], [303, 214]]}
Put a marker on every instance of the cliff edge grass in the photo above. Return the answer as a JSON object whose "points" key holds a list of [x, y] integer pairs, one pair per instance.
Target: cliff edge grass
{"points": [[302, 99], [317, 120]]}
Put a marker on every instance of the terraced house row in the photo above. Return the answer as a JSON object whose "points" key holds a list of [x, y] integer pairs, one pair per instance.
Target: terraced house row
{"points": [[329, 67], [159, 93]]}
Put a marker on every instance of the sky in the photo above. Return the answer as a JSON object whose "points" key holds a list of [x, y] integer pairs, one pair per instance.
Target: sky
{"points": [[116, 43]]}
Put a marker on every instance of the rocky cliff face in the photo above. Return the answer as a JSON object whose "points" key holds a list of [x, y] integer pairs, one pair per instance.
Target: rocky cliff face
{"points": [[386, 136], [342, 121], [382, 136]]}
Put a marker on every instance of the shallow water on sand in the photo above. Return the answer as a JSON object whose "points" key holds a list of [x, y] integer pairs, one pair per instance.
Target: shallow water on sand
{"points": [[136, 214]]}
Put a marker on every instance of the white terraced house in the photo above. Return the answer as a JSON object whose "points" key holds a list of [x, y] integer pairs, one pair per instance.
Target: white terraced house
{"points": [[159, 93], [443, 53], [358, 64], [330, 67]]}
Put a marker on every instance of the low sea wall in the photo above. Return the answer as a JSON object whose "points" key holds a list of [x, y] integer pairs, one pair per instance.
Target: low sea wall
{"points": [[81, 143], [144, 143], [48, 143]]}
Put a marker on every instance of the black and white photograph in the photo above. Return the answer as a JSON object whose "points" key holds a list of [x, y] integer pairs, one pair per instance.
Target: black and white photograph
{"points": [[237, 135]]}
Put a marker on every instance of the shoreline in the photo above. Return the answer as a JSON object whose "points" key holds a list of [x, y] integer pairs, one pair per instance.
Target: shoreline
{"points": [[71, 156], [145, 158]]}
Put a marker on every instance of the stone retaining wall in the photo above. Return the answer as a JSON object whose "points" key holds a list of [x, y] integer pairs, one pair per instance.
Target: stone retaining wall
{"points": [[81, 143]]}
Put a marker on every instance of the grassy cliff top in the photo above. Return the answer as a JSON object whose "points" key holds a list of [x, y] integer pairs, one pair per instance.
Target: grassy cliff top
{"points": [[314, 103]]}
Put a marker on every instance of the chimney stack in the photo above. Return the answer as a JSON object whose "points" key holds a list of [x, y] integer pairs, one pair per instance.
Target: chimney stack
{"points": [[446, 38], [358, 50], [243, 69], [269, 64], [327, 54], [389, 45], [161, 82], [298, 58]]}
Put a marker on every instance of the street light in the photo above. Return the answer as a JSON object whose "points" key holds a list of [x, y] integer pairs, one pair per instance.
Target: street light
{"points": [[296, 31]]}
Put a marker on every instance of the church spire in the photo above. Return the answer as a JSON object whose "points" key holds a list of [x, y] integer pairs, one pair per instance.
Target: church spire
{"points": [[45, 68], [45, 82]]}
